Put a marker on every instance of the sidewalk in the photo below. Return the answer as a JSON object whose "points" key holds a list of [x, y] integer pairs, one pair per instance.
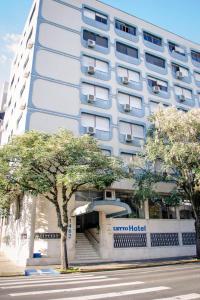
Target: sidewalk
{"points": [[137, 264], [8, 268]]}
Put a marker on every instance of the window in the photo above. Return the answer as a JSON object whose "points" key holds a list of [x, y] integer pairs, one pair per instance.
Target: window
{"points": [[92, 14], [99, 65], [127, 50], [137, 207], [154, 106], [26, 62], [98, 91], [185, 210], [154, 60], [176, 48], [22, 90], [179, 91], [135, 102], [100, 40], [31, 16], [89, 195], [29, 37], [133, 76], [19, 119], [195, 55], [159, 210], [135, 130], [152, 38], [157, 82], [197, 76], [176, 68], [100, 123], [125, 27], [12, 81]]}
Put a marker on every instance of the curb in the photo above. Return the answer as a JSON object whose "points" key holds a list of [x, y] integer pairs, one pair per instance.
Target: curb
{"points": [[11, 274], [117, 268], [148, 265]]}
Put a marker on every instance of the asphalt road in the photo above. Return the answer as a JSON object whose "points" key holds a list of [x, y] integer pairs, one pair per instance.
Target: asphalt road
{"points": [[180, 282]]}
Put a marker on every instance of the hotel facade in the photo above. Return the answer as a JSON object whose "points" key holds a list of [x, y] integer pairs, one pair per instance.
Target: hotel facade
{"points": [[93, 69]]}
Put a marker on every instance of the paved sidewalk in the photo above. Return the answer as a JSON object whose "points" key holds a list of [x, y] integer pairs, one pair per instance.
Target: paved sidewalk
{"points": [[9, 268], [137, 264]]}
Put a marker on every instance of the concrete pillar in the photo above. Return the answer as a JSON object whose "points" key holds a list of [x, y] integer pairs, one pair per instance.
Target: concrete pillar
{"points": [[32, 227]]}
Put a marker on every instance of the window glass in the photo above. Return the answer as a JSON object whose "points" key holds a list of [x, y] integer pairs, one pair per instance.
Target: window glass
{"points": [[138, 131], [154, 60], [182, 91], [102, 123], [195, 55], [101, 93], [89, 13], [125, 27], [176, 48], [88, 120], [159, 210], [152, 38], [125, 128], [197, 76], [100, 40], [177, 68], [88, 89], [135, 102], [133, 76], [127, 50], [101, 66], [163, 85], [137, 207], [88, 61]]}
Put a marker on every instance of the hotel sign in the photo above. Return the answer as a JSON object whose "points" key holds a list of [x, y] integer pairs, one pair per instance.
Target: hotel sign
{"points": [[130, 228]]}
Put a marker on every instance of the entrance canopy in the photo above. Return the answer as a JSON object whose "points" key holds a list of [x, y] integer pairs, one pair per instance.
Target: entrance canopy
{"points": [[111, 208]]}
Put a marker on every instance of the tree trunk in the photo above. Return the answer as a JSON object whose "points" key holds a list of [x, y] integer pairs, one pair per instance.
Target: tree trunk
{"points": [[64, 256], [197, 228]]}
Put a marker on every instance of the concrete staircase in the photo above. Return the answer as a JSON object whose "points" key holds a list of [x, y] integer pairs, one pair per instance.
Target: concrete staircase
{"points": [[85, 252]]}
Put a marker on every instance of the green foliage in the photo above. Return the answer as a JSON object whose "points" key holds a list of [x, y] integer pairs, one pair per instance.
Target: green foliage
{"points": [[174, 140], [37, 163]]}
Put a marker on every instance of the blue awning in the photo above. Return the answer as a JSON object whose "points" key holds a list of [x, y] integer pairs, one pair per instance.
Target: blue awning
{"points": [[111, 208]]}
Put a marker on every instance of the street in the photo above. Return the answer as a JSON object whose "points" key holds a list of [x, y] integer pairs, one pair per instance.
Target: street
{"points": [[181, 282]]}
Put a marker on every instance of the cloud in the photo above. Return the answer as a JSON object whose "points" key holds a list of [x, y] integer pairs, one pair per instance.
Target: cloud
{"points": [[11, 41]]}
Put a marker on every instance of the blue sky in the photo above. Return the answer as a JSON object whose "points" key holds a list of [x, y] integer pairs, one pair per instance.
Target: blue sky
{"points": [[179, 16]]}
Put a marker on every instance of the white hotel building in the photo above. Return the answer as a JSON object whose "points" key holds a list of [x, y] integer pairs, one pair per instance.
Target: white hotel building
{"points": [[91, 68]]}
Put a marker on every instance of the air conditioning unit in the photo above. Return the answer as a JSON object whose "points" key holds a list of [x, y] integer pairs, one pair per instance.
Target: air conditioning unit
{"points": [[90, 70], [127, 107], [90, 130], [128, 138], [29, 45], [91, 43], [125, 80], [156, 89], [26, 74], [179, 75], [90, 98], [22, 106], [182, 98]]}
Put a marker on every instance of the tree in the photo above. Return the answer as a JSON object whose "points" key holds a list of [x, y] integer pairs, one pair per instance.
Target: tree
{"points": [[44, 164], [174, 140]]}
